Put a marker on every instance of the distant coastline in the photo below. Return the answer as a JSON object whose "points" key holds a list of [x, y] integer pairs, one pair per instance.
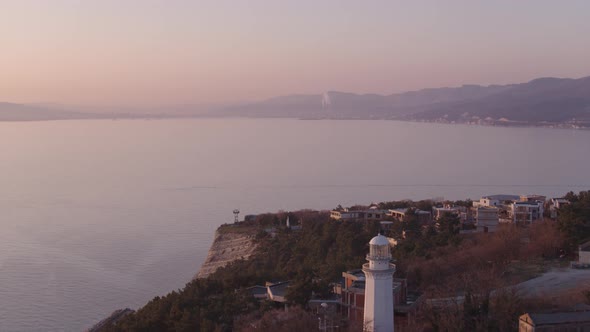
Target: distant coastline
{"points": [[115, 117], [543, 102]]}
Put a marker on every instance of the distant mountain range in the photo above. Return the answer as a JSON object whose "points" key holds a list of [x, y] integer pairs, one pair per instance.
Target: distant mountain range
{"points": [[44, 112], [543, 102], [22, 112]]}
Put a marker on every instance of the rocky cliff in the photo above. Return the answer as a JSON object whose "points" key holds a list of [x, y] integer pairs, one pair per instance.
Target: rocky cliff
{"points": [[228, 246]]}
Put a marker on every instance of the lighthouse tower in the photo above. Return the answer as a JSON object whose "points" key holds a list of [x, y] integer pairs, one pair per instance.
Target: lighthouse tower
{"points": [[379, 286]]}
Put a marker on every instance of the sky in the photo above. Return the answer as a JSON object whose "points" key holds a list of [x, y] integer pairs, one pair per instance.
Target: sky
{"points": [[146, 53]]}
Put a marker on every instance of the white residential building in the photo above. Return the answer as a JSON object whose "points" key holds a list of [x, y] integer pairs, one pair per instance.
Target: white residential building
{"points": [[495, 200], [556, 204], [532, 198], [400, 214], [526, 212], [359, 215], [458, 211], [559, 202], [487, 219]]}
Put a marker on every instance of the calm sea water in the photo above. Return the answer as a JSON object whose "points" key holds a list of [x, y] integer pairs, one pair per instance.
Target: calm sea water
{"points": [[100, 215]]}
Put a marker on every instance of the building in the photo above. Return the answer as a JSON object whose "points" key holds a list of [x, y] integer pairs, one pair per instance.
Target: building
{"points": [[378, 308], [359, 215], [577, 321], [352, 298], [584, 254], [258, 292], [558, 203], [424, 217], [495, 200], [555, 204], [352, 294], [250, 217], [289, 225], [526, 212], [397, 214], [439, 212], [277, 291], [533, 198], [373, 287], [487, 219], [344, 214]]}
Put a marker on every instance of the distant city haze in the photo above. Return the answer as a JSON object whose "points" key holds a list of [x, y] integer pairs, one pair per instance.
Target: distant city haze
{"points": [[158, 53]]}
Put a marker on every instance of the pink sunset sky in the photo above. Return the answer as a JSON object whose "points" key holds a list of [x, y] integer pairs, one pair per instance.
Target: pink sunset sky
{"points": [[140, 53]]}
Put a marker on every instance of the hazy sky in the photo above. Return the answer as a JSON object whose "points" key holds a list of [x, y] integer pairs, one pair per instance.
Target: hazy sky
{"points": [[173, 52]]}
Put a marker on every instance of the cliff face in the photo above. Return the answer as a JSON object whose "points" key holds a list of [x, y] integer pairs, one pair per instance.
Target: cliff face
{"points": [[227, 247]]}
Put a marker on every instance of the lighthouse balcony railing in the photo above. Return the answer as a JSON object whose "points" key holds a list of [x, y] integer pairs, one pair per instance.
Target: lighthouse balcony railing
{"points": [[366, 266], [385, 257]]}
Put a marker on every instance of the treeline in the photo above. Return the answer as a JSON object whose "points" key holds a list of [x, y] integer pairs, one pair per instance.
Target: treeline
{"points": [[574, 218]]}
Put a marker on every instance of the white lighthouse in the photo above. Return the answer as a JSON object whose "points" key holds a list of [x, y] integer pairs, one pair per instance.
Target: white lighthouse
{"points": [[379, 286]]}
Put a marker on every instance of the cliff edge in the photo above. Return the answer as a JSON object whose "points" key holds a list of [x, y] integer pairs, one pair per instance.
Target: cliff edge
{"points": [[230, 244], [112, 319]]}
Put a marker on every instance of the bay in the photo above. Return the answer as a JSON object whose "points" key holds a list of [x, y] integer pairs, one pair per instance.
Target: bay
{"points": [[97, 215]]}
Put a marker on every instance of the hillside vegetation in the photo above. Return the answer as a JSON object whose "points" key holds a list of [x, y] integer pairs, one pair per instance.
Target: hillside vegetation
{"points": [[441, 264]]}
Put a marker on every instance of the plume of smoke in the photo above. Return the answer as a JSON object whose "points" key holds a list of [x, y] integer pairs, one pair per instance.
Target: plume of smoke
{"points": [[326, 100]]}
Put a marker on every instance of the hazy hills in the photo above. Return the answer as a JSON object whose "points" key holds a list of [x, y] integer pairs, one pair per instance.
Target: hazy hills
{"points": [[22, 112], [44, 112], [543, 101], [335, 104], [539, 102], [54, 111]]}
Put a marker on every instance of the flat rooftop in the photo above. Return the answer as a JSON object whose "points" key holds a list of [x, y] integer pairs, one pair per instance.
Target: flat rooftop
{"points": [[279, 289], [503, 197], [356, 273]]}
